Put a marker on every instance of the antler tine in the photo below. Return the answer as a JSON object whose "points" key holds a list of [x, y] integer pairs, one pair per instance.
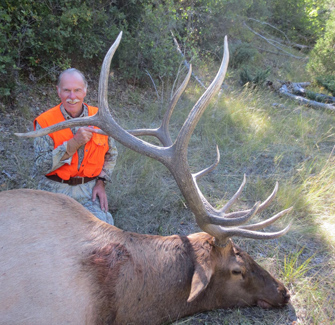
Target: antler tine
{"points": [[162, 133], [104, 74], [269, 199], [221, 220], [167, 116], [226, 233], [209, 169], [234, 198], [198, 109], [80, 121], [268, 221], [262, 207]]}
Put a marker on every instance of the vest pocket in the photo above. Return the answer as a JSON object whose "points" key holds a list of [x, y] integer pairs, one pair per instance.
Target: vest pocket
{"points": [[95, 156]]}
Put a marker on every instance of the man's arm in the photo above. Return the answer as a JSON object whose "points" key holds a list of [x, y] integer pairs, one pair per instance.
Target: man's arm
{"points": [[47, 159], [110, 160], [107, 170]]}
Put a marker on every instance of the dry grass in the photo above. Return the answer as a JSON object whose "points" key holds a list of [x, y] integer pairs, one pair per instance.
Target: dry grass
{"points": [[286, 143]]}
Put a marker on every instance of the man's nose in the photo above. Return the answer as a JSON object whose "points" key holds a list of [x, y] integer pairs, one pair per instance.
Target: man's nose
{"points": [[72, 95]]}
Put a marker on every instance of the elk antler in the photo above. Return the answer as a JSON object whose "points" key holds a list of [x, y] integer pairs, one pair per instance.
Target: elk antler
{"points": [[217, 222]]}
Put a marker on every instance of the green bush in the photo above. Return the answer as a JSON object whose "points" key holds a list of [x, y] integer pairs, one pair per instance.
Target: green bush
{"points": [[301, 20], [254, 77], [322, 58], [242, 54], [41, 38], [38, 39], [328, 82], [149, 47]]}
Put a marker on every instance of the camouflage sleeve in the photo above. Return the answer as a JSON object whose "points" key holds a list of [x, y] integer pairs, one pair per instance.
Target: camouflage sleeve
{"points": [[110, 160], [47, 158]]}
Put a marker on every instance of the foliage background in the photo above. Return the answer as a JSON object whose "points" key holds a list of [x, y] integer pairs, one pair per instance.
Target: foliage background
{"points": [[38, 39]]}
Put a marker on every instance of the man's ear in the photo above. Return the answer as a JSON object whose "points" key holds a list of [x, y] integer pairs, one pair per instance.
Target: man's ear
{"points": [[200, 280]]}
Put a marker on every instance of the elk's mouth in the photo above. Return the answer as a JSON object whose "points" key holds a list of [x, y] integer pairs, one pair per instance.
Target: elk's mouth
{"points": [[282, 303], [264, 304]]}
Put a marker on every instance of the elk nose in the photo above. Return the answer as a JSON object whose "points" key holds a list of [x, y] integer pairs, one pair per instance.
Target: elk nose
{"points": [[286, 296]]}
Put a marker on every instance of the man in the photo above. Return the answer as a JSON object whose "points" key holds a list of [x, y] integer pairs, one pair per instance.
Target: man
{"points": [[77, 162]]}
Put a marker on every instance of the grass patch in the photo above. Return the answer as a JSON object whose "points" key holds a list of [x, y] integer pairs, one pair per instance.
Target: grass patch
{"points": [[290, 144], [293, 270]]}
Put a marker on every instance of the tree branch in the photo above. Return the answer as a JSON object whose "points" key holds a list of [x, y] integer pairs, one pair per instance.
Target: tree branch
{"points": [[271, 42], [185, 61], [284, 90]]}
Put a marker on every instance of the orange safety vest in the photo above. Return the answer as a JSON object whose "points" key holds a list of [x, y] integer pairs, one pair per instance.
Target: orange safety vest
{"points": [[94, 151]]}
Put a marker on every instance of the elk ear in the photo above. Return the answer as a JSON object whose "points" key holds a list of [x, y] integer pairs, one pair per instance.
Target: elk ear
{"points": [[200, 280]]}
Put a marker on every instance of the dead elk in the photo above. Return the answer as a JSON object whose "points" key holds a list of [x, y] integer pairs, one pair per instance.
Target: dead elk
{"points": [[60, 264]]}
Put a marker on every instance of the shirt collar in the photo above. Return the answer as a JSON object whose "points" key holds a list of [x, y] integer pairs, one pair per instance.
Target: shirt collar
{"points": [[67, 116]]}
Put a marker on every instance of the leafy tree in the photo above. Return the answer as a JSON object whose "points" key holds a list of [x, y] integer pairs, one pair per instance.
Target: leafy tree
{"points": [[149, 44], [322, 57], [40, 38], [301, 20]]}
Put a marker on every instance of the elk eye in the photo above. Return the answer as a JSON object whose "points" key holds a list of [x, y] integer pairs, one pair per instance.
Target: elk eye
{"points": [[236, 272]]}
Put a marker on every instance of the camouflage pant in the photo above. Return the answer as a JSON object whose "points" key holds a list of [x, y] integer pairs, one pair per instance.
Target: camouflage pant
{"points": [[81, 193]]}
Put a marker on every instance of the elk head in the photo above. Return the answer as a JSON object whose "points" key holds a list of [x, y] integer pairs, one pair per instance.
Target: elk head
{"points": [[219, 223], [235, 280]]}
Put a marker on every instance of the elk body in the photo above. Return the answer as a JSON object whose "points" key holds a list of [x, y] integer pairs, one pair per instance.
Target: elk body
{"points": [[60, 264]]}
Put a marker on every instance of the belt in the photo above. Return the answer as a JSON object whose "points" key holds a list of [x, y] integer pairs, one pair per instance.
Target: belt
{"points": [[72, 181]]}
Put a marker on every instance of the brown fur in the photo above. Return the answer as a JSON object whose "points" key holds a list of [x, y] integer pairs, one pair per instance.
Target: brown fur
{"points": [[60, 264]]}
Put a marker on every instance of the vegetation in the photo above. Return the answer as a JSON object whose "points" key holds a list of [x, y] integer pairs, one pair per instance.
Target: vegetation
{"points": [[256, 78], [259, 134], [322, 61], [38, 39], [328, 82]]}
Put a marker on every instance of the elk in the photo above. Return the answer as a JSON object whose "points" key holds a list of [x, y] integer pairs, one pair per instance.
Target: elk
{"points": [[60, 264]]}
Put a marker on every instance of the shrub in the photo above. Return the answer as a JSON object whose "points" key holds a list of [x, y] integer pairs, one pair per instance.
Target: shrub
{"points": [[41, 38], [38, 39], [242, 54], [322, 59], [319, 97], [149, 47], [254, 77], [328, 82]]}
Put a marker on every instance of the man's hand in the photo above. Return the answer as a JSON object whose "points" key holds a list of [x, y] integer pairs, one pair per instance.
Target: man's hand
{"points": [[99, 191], [83, 135]]}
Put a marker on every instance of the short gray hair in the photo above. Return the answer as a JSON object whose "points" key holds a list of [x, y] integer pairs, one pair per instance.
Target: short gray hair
{"points": [[71, 71]]}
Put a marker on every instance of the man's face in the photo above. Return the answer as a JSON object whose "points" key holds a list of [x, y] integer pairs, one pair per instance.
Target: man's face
{"points": [[72, 92]]}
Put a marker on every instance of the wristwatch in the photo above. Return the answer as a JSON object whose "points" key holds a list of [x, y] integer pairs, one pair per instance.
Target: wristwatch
{"points": [[103, 179]]}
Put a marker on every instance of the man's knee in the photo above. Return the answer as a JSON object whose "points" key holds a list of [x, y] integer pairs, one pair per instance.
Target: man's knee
{"points": [[94, 208]]}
